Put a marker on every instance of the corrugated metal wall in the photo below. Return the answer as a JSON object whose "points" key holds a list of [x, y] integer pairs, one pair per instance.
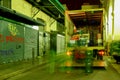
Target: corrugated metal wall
{"points": [[17, 41], [57, 42], [60, 43], [41, 44], [47, 43], [44, 43], [30, 42], [11, 41]]}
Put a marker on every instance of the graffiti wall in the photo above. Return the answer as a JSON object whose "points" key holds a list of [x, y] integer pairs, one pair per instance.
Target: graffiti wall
{"points": [[11, 41]]}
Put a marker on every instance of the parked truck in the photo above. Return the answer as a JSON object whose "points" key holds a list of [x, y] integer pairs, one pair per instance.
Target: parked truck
{"points": [[84, 32]]}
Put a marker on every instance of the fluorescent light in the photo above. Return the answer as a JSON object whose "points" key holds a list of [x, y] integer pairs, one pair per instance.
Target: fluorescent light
{"points": [[35, 27]]}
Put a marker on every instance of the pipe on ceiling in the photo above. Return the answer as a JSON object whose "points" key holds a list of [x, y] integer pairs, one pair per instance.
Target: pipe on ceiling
{"points": [[34, 3], [58, 5], [52, 2]]}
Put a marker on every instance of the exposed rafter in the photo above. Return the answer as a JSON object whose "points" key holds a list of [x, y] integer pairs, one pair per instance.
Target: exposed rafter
{"points": [[50, 8], [13, 15], [89, 17]]}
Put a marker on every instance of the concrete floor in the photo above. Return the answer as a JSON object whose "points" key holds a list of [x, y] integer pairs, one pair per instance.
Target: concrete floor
{"points": [[54, 71]]}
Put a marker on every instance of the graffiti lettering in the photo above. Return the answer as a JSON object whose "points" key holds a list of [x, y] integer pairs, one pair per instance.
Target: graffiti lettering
{"points": [[6, 52], [11, 39], [14, 39], [1, 38]]}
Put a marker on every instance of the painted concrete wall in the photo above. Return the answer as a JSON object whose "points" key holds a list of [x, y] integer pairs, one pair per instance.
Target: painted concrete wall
{"points": [[112, 21], [50, 22], [69, 26], [116, 20], [109, 21], [27, 9], [21, 6]]}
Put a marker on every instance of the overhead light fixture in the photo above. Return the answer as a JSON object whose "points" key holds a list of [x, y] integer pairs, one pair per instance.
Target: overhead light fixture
{"points": [[35, 27], [59, 16]]}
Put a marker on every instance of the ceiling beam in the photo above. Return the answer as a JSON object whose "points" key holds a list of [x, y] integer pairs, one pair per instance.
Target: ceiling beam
{"points": [[46, 9], [16, 16]]}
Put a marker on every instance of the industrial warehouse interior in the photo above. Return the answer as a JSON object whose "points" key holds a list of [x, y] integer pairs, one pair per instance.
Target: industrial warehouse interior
{"points": [[59, 40]]}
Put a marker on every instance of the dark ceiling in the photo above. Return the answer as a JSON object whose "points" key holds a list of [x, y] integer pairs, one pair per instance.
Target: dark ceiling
{"points": [[87, 18], [76, 4], [84, 18]]}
